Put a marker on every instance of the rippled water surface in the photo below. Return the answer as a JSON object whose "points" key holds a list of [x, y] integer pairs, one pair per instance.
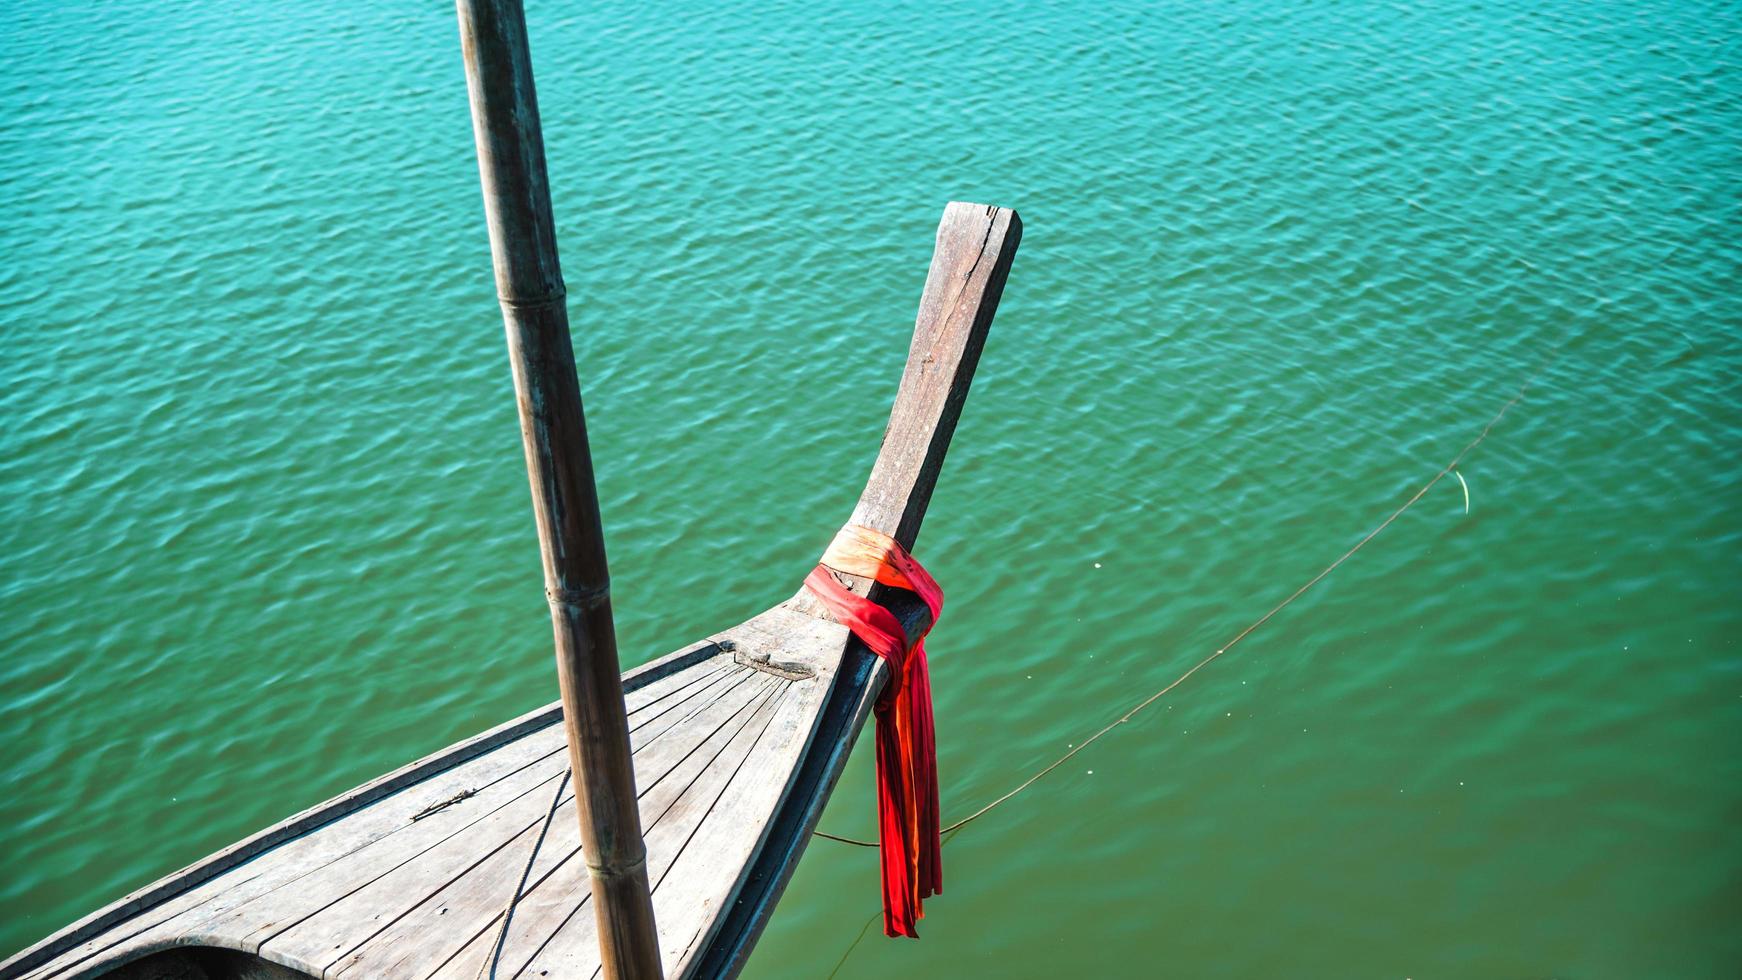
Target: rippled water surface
{"points": [[264, 528]]}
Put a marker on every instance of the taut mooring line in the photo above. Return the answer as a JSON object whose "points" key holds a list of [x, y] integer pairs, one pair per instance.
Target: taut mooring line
{"points": [[1260, 621]]}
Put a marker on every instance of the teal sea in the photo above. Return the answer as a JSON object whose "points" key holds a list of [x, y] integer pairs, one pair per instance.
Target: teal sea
{"points": [[265, 531]]}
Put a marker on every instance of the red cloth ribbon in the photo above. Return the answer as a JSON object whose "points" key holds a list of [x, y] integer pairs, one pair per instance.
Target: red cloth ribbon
{"points": [[907, 770]]}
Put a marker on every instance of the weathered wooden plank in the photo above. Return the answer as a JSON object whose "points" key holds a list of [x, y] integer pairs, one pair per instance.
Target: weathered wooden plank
{"points": [[75, 943], [765, 877], [506, 808], [439, 924], [546, 743], [325, 924], [314, 849], [568, 951], [704, 877], [783, 634], [970, 263], [554, 897], [667, 766], [311, 853], [673, 688], [673, 713], [470, 909], [468, 787], [113, 930], [391, 892]]}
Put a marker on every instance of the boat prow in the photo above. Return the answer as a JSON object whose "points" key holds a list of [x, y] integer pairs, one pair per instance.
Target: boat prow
{"points": [[737, 743]]}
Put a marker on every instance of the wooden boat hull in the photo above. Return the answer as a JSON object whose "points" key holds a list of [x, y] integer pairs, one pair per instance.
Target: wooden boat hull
{"points": [[737, 743], [408, 875]]}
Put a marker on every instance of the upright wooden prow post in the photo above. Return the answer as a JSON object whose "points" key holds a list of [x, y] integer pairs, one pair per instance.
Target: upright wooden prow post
{"points": [[976, 244], [559, 464]]}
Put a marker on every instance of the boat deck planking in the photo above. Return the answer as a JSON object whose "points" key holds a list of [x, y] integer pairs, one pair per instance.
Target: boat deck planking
{"points": [[414, 884]]}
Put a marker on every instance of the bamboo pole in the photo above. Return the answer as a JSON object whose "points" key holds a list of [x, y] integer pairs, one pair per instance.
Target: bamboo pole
{"points": [[559, 464]]}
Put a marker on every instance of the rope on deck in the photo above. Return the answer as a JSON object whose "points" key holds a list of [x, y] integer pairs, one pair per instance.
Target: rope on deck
{"points": [[1552, 356], [488, 967]]}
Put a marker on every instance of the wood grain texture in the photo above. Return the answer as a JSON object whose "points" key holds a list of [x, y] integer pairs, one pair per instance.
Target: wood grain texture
{"points": [[971, 261], [976, 244], [154, 916]]}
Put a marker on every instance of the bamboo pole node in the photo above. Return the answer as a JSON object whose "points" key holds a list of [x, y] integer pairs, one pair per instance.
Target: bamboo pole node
{"points": [[582, 598], [624, 869], [544, 302]]}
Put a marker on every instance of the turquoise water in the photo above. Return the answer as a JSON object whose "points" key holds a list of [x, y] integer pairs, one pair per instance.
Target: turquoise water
{"points": [[264, 529]]}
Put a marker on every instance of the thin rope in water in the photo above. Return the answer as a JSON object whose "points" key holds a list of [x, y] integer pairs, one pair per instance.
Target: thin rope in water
{"points": [[1260, 621], [488, 967], [859, 939]]}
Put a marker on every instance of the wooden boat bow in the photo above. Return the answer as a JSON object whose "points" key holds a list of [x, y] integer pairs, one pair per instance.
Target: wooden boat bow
{"points": [[970, 263], [737, 741]]}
